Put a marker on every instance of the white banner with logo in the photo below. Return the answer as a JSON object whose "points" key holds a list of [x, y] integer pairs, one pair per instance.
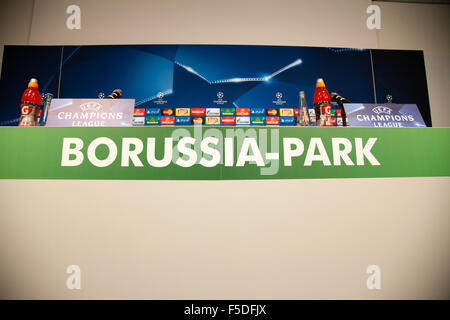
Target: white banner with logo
{"points": [[90, 112], [383, 115]]}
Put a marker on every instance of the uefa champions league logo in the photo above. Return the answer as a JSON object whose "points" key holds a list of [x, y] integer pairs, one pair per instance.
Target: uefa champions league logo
{"points": [[94, 106], [382, 109], [160, 96], [220, 100], [279, 100]]}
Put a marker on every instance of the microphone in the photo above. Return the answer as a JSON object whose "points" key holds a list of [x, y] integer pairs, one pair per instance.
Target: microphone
{"points": [[116, 94], [335, 97]]}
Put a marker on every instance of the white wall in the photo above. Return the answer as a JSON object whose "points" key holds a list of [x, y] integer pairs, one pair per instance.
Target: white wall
{"points": [[285, 22], [226, 239], [422, 27], [156, 239]]}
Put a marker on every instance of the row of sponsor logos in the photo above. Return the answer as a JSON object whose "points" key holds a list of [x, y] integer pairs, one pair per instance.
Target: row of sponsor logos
{"points": [[221, 116], [216, 112], [214, 121]]}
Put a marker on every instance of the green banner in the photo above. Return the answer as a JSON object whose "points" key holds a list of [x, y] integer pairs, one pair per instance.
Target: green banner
{"points": [[207, 153]]}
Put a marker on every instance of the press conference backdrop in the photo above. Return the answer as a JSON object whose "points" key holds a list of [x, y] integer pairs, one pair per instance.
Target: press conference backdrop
{"points": [[193, 75], [228, 239]]}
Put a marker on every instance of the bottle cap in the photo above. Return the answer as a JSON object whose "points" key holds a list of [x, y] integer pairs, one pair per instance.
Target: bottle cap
{"points": [[302, 94], [33, 83], [320, 83]]}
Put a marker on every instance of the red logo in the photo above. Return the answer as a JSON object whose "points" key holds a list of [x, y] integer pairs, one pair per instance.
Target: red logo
{"points": [[167, 112], [228, 120], [296, 112], [198, 112], [139, 112], [26, 109], [326, 109], [167, 120], [242, 112], [272, 112], [338, 112], [272, 121], [197, 120]]}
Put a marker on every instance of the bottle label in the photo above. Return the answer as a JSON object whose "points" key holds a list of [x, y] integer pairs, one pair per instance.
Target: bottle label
{"points": [[27, 121], [325, 109], [29, 114], [28, 109]]}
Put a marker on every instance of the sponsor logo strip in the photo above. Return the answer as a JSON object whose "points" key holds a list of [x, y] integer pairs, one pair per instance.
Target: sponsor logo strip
{"points": [[272, 121], [227, 111], [149, 120], [152, 111], [138, 121], [242, 120], [167, 112], [242, 112], [139, 112], [258, 120], [286, 112], [257, 111], [167, 121], [213, 121], [183, 121], [228, 121], [198, 112], [182, 112], [213, 112], [287, 121]]}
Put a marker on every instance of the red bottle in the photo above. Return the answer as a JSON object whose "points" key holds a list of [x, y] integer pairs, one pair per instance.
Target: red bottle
{"points": [[30, 106], [322, 104]]}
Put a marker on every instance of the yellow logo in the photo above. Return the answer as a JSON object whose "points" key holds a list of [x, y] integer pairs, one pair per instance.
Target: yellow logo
{"points": [[287, 112], [183, 112], [212, 120]]}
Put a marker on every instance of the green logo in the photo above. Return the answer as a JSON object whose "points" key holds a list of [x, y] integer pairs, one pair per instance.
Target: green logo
{"points": [[152, 120], [333, 112], [227, 111], [257, 120]]}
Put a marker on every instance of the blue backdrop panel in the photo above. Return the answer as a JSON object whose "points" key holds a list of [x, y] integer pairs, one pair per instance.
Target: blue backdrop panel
{"points": [[20, 63], [401, 73], [193, 75]]}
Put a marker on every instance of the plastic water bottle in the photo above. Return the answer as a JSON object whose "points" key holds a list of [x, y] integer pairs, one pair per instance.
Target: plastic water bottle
{"points": [[30, 110], [303, 114]]}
